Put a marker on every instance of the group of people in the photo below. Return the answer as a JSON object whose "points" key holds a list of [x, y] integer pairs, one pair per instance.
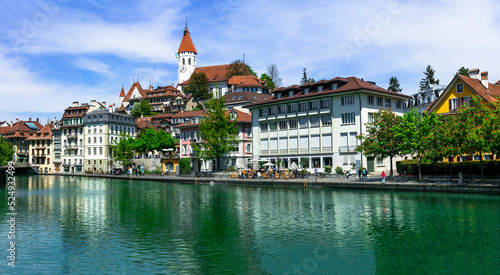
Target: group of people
{"points": [[363, 173], [256, 174]]}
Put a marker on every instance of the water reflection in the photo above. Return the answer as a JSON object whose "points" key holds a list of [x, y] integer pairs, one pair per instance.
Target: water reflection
{"points": [[80, 225]]}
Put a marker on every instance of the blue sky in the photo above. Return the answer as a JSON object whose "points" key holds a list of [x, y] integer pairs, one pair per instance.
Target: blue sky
{"points": [[54, 52]]}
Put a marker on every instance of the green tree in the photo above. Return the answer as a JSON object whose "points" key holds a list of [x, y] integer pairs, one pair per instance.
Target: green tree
{"points": [[383, 137], [217, 131], [252, 71], [304, 162], [123, 151], [237, 67], [463, 71], [305, 79], [274, 74], [143, 108], [268, 80], [473, 128], [416, 130], [198, 87], [6, 151], [394, 85], [149, 140], [428, 79], [185, 165]]}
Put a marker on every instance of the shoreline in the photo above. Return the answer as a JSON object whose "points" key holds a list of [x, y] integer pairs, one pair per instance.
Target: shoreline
{"points": [[335, 183]]}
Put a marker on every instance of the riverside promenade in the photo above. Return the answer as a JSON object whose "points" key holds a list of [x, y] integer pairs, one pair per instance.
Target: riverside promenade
{"points": [[491, 187]]}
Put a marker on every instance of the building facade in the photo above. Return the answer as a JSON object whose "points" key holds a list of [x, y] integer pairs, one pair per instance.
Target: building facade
{"points": [[17, 135], [317, 123], [41, 149]]}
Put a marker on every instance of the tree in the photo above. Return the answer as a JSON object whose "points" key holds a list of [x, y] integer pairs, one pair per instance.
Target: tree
{"points": [[185, 165], [383, 137], [237, 67], [198, 87], [274, 74], [463, 71], [416, 134], [218, 133], [394, 85], [268, 80], [149, 140], [123, 151], [6, 151], [306, 79], [251, 71], [428, 79], [143, 108]]}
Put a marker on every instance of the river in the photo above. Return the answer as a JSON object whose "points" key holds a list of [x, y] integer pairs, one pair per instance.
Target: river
{"points": [[91, 225]]}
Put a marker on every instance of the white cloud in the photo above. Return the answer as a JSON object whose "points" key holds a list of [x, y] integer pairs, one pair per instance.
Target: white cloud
{"points": [[93, 65]]}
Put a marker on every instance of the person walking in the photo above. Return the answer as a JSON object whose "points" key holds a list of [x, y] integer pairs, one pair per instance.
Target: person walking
{"points": [[359, 173], [383, 177]]}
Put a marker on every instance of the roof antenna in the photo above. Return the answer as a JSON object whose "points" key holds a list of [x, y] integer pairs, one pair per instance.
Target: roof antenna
{"points": [[244, 55]]}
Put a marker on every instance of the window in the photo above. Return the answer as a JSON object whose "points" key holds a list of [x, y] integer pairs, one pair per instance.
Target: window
{"points": [[273, 110], [326, 103], [455, 103], [264, 145], [89, 140], [263, 112], [398, 104], [282, 109], [314, 105], [90, 151], [380, 162], [334, 86], [263, 126], [283, 125], [184, 149], [304, 122], [292, 124], [314, 121], [326, 142], [95, 140], [348, 118], [292, 143], [100, 139], [272, 126], [189, 61], [370, 100], [347, 100], [304, 142], [100, 151], [370, 117], [248, 148], [326, 120], [283, 143], [388, 103], [379, 101], [306, 91], [248, 132], [320, 88], [274, 144], [460, 88], [303, 107], [95, 151], [292, 108]]}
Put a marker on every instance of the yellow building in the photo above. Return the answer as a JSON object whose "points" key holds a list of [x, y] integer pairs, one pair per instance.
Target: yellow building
{"points": [[41, 149], [459, 91]]}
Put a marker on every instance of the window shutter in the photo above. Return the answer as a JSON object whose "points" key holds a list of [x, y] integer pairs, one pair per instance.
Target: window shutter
{"points": [[460, 101], [449, 104]]}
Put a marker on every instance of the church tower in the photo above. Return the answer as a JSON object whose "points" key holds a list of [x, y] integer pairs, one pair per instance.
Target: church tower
{"points": [[186, 57]]}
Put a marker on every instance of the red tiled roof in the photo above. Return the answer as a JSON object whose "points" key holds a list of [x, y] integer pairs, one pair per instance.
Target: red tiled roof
{"points": [[143, 123], [122, 93], [242, 118], [186, 43], [42, 134], [214, 73], [189, 114], [498, 83], [353, 84], [131, 91], [20, 129], [4, 130], [245, 81], [167, 91]]}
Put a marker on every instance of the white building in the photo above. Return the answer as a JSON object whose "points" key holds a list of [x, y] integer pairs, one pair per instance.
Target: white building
{"points": [[320, 121], [422, 100]]}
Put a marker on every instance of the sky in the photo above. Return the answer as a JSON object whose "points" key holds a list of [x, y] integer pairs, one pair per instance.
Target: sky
{"points": [[55, 52]]}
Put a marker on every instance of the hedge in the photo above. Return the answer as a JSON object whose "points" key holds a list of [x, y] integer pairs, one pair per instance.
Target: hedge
{"points": [[491, 167]]}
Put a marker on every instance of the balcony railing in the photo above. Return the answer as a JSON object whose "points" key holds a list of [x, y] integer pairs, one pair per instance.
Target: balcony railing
{"points": [[72, 136], [72, 147], [345, 149]]}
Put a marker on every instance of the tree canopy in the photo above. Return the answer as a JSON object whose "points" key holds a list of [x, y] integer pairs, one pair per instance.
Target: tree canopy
{"points": [[6, 151], [143, 108], [428, 79], [123, 151], [198, 87], [274, 74], [305, 78], [463, 71], [268, 80], [394, 85], [237, 67], [150, 140], [217, 132]]}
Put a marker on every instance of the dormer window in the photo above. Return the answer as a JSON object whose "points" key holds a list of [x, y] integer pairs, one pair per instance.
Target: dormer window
{"points": [[290, 93], [234, 115], [335, 86], [320, 88], [306, 91], [278, 95]]}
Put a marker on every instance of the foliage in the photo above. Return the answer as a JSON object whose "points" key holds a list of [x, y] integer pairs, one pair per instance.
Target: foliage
{"points": [[328, 169], [185, 165], [198, 86], [123, 151], [394, 85], [304, 162], [218, 133], [150, 140], [251, 71], [383, 138], [442, 142], [237, 67], [274, 74], [416, 133], [143, 108], [268, 80], [428, 79], [490, 167], [305, 79], [463, 71], [339, 170], [6, 151]]}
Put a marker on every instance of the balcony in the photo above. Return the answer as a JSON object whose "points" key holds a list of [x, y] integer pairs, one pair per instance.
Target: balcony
{"points": [[72, 136], [72, 147], [39, 156], [348, 149]]}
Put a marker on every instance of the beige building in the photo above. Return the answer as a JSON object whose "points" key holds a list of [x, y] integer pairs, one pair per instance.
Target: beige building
{"points": [[41, 149]]}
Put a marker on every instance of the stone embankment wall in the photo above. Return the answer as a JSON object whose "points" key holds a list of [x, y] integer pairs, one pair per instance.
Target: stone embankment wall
{"points": [[150, 164]]}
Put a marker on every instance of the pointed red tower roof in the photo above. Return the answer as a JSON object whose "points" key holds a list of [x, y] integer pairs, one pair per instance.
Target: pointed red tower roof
{"points": [[122, 93], [186, 43]]}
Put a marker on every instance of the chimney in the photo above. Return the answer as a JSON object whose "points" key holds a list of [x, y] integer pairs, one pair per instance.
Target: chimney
{"points": [[30, 118], [104, 104], [484, 79], [474, 73], [38, 120], [17, 119], [75, 103]]}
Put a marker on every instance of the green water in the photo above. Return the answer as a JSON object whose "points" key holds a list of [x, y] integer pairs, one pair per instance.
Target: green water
{"points": [[81, 225]]}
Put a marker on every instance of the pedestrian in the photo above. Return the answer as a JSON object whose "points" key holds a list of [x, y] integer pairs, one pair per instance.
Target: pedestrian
{"points": [[365, 173], [359, 173], [383, 177]]}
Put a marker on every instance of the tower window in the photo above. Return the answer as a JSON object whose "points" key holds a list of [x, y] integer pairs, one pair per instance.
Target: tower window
{"points": [[189, 61], [183, 61]]}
